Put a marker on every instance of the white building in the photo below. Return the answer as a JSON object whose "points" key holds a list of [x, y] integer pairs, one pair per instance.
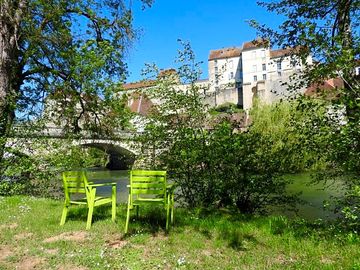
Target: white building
{"points": [[238, 74]]}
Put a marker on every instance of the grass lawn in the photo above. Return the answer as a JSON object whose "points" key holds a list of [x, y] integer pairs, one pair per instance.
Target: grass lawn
{"points": [[31, 238]]}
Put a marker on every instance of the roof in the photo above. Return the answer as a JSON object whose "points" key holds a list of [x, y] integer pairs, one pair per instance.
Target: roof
{"points": [[167, 72], [286, 52], [138, 85], [140, 104], [326, 89], [256, 43], [225, 53], [236, 51], [280, 53]]}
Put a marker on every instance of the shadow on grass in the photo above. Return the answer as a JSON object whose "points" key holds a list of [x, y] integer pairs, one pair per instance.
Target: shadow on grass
{"points": [[150, 220], [80, 213]]}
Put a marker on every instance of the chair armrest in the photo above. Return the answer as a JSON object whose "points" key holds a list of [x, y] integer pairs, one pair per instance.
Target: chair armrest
{"points": [[103, 184]]}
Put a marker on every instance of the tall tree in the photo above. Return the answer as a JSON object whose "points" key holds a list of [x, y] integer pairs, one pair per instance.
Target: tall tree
{"points": [[326, 29], [329, 31], [68, 50]]}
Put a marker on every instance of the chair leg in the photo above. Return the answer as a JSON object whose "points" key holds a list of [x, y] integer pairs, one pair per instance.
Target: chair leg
{"points": [[113, 207], [127, 216], [167, 213], [64, 214], [172, 209], [90, 213]]}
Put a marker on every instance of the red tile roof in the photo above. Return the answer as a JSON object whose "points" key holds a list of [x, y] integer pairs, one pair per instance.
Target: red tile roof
{"points": [[286, 52], [327, 89], [256, 43], [138, 85], [140, 104], [225, 53], [280, 53]]}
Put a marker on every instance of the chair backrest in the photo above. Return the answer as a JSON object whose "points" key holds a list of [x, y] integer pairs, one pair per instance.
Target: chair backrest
{"points": [[148, 182], [74, 182]]}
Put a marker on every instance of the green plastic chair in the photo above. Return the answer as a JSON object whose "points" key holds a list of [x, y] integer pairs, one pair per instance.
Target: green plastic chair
{"points": [[77, 182], [150, 187]]}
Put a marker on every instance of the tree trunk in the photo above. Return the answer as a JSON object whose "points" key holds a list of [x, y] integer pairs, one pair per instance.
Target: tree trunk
{"points": [[343, 21], [11, 13]]}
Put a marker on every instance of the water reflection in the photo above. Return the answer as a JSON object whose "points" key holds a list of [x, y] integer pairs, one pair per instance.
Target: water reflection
{"points": [[121, 177]]}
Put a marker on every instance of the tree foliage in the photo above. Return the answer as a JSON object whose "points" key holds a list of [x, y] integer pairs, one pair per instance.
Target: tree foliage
{"points": [[69, 52], [326, 30], [329, 31], [213, 163], [35, 168]]}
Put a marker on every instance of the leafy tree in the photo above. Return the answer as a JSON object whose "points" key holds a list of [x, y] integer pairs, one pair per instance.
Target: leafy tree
{"points": [[214, 164], [66, 50], [327, 30], [34, 168]]}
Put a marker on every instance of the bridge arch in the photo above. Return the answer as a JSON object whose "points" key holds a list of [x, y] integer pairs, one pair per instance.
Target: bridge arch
{"points": [[120, 158]]}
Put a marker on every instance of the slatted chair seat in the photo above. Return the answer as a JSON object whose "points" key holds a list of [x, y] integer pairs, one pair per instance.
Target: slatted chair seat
{"points": [[76, 182], [150, 187]]}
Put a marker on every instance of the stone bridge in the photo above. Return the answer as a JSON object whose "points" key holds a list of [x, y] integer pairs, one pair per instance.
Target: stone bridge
{"points": [[121, 148]]}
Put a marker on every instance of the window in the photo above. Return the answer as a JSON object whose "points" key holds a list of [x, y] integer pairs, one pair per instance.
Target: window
{"points": [[216, 82], [216, 70], [279, 73], [264, 77], [279, 65], [263, 67], [215, 62], [231, 64], [254, 68], [255, 78], [231, 75]]}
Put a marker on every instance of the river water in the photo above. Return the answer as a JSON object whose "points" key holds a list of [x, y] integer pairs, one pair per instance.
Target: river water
{"points": [[313, 195]]}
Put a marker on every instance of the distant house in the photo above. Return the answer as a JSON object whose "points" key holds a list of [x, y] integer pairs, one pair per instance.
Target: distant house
{"points": [[239, 74]]}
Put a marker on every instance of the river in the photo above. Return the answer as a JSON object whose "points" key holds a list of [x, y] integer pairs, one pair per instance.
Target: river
{"points": [[313, 195]]}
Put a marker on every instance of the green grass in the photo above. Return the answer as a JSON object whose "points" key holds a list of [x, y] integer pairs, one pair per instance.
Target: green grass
{"points": [[200, 239]]}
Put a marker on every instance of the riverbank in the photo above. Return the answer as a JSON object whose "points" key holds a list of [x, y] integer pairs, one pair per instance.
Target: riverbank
{"points": [[313, 195], [30, 236]]}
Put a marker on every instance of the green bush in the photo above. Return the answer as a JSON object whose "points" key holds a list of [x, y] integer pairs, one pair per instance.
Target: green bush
{"points": [[39, 174]]}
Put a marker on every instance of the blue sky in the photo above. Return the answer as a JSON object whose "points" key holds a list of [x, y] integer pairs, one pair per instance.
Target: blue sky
{"points": [[206, 24]]}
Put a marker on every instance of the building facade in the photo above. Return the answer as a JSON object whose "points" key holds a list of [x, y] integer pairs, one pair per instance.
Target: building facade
{"points": [[239, 74]]}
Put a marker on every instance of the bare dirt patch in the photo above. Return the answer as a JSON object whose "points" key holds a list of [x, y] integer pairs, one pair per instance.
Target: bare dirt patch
{"points": [[79, 236], [30, 263], [53, 251], [22, 236], [9, 226], [282, 259], [5, 251], [206, 253], [325, 260], [159, 236], [117, 244], [116, 241]]}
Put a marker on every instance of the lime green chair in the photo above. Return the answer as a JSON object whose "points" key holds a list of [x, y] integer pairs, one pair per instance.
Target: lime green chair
{"points": [[76, 182], [150, 187]]}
